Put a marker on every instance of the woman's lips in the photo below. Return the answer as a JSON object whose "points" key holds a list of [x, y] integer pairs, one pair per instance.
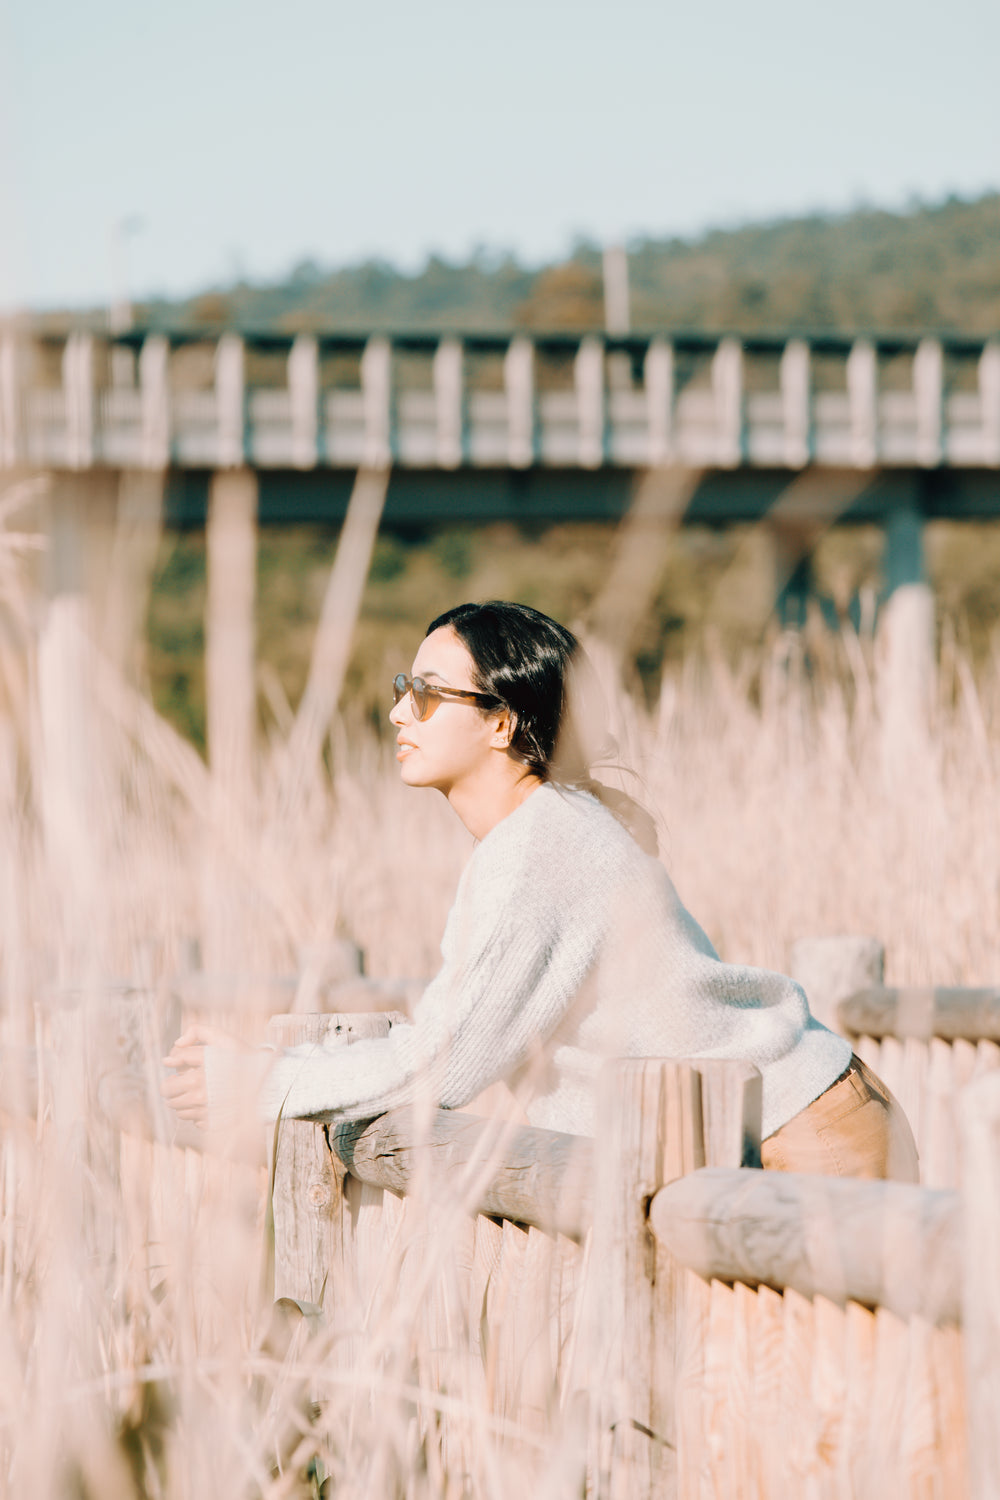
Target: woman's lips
{"points": [[403, 749]]}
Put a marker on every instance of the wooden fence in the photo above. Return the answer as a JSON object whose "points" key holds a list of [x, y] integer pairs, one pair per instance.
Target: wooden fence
{"points": [[670, 1319], [715, 1330], [927, 1045]]}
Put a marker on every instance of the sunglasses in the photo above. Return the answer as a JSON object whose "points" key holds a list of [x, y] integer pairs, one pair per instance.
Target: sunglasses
{"points": [[423, 693]]}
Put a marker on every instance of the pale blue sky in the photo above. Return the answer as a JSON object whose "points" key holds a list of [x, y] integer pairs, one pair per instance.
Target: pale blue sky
{"points": [[248, 136]]}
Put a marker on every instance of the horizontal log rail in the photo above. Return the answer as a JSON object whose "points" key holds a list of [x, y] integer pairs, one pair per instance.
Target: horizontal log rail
{"points": [[541, 1178], [919, 1014], [883, 1244]]}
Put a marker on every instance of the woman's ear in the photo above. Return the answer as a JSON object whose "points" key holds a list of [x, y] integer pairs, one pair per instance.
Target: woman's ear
{"points": [[506, 729]]}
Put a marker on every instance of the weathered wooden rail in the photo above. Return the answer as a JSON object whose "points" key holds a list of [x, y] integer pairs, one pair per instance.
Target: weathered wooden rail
{"points": [[888, 1245], [542, 1180]]}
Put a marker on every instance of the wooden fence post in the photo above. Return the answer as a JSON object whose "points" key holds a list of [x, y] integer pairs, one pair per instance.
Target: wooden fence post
{"points": [[307, 1198], [831, 969], [658, 1121], [980, 1126], [708, 1313]]}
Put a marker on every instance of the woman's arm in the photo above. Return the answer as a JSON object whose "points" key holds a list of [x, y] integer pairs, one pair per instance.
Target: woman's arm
{"points": [[521, 938], [185, 1087]]}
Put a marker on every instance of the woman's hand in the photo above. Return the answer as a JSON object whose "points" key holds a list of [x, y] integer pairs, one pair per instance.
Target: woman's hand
{"points": [[186, 1089]]}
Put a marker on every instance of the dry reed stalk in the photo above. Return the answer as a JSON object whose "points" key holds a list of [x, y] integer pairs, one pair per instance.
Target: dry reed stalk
{"points": [[334, 634], [129, 1289], [661, 497]]}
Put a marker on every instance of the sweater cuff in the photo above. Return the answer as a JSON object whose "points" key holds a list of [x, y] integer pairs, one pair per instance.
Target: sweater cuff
{"points": [[233, 1082]]}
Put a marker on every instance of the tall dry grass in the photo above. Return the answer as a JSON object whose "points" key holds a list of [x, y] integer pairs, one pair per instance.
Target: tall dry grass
{"points": [[137, 1350]]}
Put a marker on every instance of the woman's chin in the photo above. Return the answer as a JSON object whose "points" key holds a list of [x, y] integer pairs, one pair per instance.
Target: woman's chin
{"points": [[409, 771], [412, 774]]}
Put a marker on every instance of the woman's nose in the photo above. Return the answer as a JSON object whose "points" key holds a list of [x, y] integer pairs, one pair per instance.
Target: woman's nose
{"points": [[399, 712]]}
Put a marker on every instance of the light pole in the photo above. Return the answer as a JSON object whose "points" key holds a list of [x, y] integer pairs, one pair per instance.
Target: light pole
{"points": [[120, 308]]}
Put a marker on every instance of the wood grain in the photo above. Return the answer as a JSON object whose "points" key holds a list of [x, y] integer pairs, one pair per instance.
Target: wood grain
{"points": [[884, 1244], [919, 1014], [307, 1198], [540, 1178], [650, 1132]]}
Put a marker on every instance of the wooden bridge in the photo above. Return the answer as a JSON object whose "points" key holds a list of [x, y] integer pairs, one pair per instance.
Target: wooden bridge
{"points": [[493, 424]]}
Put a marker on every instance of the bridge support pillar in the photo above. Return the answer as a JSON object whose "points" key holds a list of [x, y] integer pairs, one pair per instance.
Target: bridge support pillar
{"points": [[906, 628], [80, 510], [230, 687], [230, 697]]}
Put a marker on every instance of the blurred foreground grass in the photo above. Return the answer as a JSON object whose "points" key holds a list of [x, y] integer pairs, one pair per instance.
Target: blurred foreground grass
{"points": [[135, 1357]]}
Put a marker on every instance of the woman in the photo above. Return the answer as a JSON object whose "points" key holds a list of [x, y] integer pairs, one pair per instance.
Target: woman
{"points": [[567, 944]]}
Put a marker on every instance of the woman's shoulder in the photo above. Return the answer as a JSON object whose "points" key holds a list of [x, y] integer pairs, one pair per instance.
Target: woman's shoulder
{"points": [[561, 825]]}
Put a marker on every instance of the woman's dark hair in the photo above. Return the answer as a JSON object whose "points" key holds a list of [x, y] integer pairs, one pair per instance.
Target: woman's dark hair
{"points": [[538, 670]]}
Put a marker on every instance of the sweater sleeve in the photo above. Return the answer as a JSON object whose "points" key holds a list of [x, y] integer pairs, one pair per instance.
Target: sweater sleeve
{"points": [[519, 942]]}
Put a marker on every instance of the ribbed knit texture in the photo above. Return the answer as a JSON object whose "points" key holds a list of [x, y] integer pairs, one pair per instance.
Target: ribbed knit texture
{"points": [[566, 945]]}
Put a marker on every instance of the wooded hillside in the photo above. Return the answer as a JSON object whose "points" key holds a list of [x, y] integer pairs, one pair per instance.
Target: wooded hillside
{"points": [[932, 267]]}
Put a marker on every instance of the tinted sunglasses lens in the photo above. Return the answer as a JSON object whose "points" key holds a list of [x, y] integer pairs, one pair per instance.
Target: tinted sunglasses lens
{"points": [[417, 689], [418, 694]]}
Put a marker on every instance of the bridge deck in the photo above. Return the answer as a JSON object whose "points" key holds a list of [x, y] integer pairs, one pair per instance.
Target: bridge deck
{"points": [[427, 497]]}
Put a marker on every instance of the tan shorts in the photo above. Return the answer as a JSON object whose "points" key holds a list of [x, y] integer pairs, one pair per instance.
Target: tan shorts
{"points": [[855, 1129]]}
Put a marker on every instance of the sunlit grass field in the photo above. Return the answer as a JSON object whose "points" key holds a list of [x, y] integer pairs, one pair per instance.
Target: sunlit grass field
{"points": [[137, 1351]]}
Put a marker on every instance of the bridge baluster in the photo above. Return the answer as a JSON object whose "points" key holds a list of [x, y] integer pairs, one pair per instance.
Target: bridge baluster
{"points": [[928, 390], [590, 403], [303, 394], [989, 401], [10, 403], [796, 400], [449, 404], [376, 388], [72, 428], [78, 391], [727, 385], [230, 401], [658, 378], [519, 382], [862, 397], [154, 361]]}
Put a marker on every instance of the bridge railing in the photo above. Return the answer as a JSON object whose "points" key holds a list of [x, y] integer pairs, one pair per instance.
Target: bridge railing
{"points": [[422, 403]]}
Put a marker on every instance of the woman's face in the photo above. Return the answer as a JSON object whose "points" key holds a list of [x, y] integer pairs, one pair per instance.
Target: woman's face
{"points": [[456, 740]]}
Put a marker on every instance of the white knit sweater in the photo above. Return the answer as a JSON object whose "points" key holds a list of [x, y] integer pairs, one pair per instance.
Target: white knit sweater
{"points": [[566, 945]]}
